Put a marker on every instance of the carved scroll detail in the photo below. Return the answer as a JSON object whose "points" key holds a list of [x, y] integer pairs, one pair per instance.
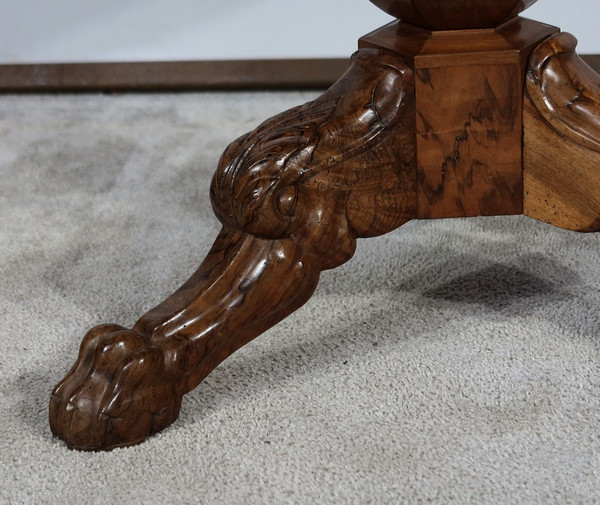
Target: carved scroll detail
{"points": [[565, 91], [561, 153], [331, 156], [293, 197]]}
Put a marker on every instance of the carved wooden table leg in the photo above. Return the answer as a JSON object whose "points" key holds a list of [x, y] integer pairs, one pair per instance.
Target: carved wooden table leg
{"points": [[428, 122], [562, 138], [293, 196]]}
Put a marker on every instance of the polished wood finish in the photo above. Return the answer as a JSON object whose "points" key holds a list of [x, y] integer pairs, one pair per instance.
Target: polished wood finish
{"points": [[562, 138], [470, 156], [293, 197], [510, 43], [469, 94], [423, 124], [454, 14]]}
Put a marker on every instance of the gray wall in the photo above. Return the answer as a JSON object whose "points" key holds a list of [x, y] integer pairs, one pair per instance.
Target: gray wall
{"points": [[126, 30]]}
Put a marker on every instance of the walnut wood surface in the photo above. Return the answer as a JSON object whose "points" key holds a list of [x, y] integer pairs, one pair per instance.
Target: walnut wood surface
{"points": [[293, 197], [423, 124], [454, 14], [562, 137], [469, 157], [469, 94]]}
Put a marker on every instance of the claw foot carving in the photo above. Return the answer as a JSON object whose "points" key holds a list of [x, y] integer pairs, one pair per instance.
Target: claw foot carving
{"points": [[119, 386], [293, 197]]}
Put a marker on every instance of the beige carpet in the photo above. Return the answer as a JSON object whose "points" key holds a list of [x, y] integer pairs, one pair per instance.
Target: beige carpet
{"points": [[450, 362]]}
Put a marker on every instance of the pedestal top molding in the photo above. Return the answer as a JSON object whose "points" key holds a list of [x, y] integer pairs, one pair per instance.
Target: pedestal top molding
{"points": [[454, 14]]}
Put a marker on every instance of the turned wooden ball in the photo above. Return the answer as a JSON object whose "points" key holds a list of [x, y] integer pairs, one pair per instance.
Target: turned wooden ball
{"points": [[454, 14]]}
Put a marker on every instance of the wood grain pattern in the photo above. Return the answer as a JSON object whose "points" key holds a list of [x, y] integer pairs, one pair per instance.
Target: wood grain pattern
{"points": [[469, 155], [423, 124], [469, 94], [293, 197], [454, 14], [562, 137]]}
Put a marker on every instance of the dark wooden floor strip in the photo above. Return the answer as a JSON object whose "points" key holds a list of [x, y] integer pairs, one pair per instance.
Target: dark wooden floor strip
{"points": [[183, 75]]}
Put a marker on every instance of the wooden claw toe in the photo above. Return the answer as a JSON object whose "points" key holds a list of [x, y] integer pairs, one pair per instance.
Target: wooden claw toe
{"points": [[114, 395]]}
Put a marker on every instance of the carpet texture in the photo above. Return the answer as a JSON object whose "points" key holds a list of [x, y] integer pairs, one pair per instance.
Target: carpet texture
{"points": [[452, 361]]}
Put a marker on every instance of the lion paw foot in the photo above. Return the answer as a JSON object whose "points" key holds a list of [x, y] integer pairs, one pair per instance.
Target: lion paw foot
{"points": [[117, 393]]}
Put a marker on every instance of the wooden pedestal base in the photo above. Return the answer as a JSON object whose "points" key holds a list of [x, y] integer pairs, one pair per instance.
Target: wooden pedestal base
{"points": [[469, 125], [424, 124]]}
